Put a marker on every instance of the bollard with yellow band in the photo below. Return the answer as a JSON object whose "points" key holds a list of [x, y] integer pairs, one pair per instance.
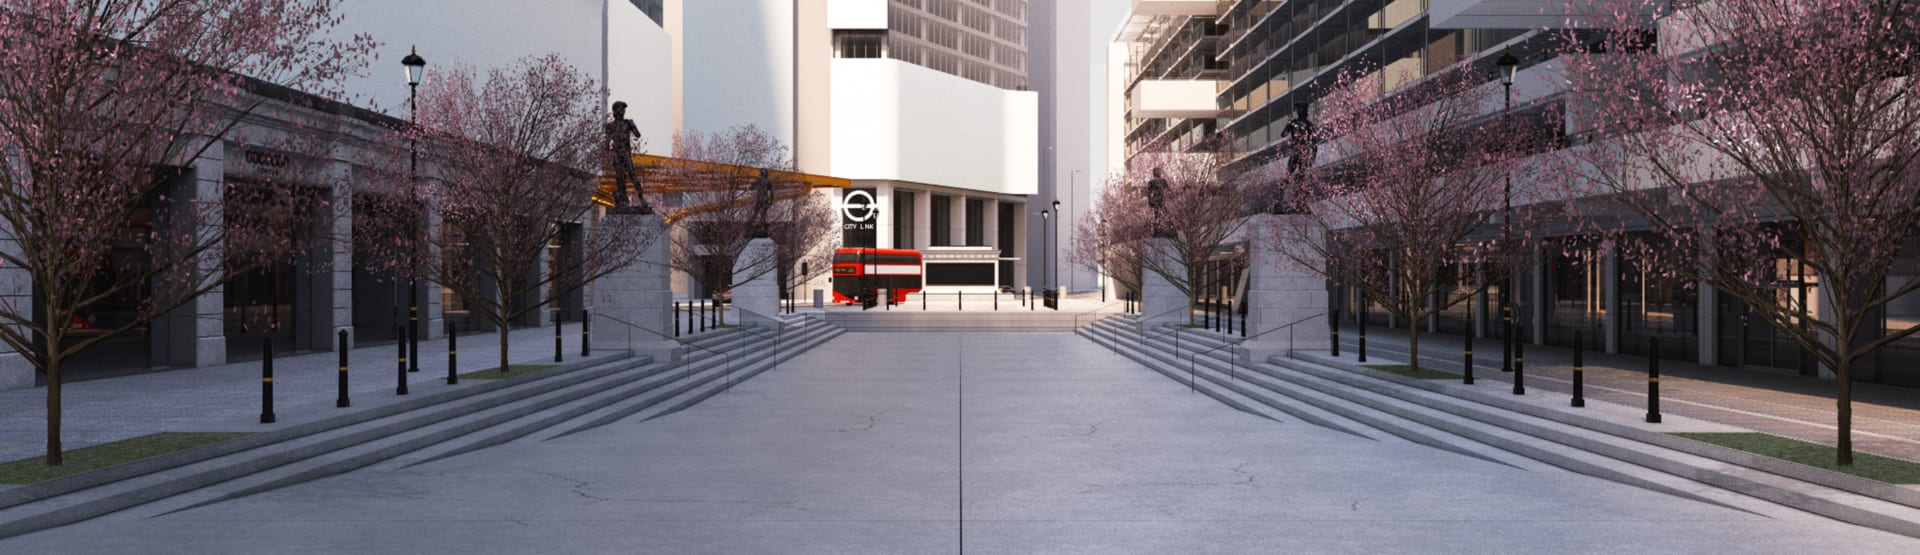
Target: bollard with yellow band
{"points": [[266, 381], [1579, 371], [1467, 377], [1653, 380], [1519, 361], [343, 401], [453, 357], [400, 332]]}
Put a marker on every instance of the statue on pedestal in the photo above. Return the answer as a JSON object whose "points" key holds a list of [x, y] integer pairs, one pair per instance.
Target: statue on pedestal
{"points": [[1300, 157], [762, 201], [1156, 198], [620, 134]]}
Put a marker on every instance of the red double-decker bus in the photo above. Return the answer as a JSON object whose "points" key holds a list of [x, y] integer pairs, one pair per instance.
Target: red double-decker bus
{"points": [[859, 272]]}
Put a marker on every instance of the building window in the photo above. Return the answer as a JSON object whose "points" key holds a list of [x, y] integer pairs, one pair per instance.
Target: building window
{"points": [[859, 44], [942, 220]]}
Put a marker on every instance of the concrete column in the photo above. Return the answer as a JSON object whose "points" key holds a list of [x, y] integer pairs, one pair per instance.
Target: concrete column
{"points": [[633, 307], [757, 300], [335, 305], [922, 220], [991, 221], [957, 220], [1160, 300], [195, 334], [1708, 315], [1610, 289], [883, 197], [1279, 294], [16, 288], [1537, 300]]}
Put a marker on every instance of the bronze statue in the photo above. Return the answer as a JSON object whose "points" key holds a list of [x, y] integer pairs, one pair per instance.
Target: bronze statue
{"points": [[1156, 196], [1300, 157], [762, 200], [620, 134]]}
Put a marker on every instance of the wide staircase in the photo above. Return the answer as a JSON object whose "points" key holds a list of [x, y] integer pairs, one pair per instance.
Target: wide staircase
{"points": [[1530, 433], [419, 429]]}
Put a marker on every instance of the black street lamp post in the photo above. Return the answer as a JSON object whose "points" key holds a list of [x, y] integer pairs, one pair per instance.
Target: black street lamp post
{"points": [[1509, 68], [1046, 262], [1054, 252], [416, 68]]}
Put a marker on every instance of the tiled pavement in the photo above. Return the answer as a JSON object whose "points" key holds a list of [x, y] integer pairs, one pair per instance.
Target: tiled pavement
{"points": [[1886, 419]]}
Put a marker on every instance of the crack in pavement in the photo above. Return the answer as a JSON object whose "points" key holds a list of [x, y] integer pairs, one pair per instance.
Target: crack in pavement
{"points": [[579, 487], [1239, 469], [1092, 429], [872, 420]]}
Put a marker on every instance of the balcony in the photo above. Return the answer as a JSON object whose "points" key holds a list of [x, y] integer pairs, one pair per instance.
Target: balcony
{"points": [[1176, 98]]}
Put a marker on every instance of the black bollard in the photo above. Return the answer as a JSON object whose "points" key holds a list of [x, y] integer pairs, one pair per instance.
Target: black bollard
{"points": [[558, 348], [1579, 372], [413, 334], [266, 381], [1506, 339], [343, 400], [960, 301], [1334, 322], [1653, 380], [1243, 324], [703, 315], [676, 319], [923, 300], [1467, 378], [586, 332], [1229, 317], [996, 301], [453, 357], [1030, 302], [1519, 363], [401, 332], [1363, 337]]}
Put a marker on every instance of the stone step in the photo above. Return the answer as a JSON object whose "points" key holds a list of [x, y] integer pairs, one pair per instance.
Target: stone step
{"points": [[1625, 447], [298, 442]]}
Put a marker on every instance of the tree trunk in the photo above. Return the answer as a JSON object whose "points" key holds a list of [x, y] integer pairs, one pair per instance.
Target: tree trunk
{"points": [[54, 456], [503, 347], [1843, 456], [1413, 345]]}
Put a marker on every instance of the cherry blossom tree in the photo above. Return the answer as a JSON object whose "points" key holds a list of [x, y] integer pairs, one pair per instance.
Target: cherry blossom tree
{"points": [[804, 230], [1105, 242], [1200, 210], [1755, 135], [507, 168], [103, 106], [714, 174], [1410, 181]]}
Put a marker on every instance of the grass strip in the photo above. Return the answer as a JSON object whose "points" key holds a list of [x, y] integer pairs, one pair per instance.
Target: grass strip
{"points": [[35, 469], [1415, 373], [513, 370], [1872, 467]]}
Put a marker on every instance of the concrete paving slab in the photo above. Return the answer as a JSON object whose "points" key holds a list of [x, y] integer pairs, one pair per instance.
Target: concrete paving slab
{"points": [[880, 443]]}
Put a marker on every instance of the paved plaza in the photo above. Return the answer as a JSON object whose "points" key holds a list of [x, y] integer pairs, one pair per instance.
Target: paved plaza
{"points": [[980, 442]]}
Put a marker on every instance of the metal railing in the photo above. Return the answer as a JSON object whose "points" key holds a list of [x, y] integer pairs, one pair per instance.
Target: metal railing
{"points": [[1114, 334], [1233, 362], [686, 346]]}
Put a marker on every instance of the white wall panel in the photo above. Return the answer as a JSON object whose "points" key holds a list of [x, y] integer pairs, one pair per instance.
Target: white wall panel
{"points": [[481, 34], [898, 121], [738, 66], [857, 14], [639, 69]]}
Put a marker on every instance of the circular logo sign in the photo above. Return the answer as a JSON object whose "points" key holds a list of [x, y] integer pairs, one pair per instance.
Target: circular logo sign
{"points": [[858, 206]]}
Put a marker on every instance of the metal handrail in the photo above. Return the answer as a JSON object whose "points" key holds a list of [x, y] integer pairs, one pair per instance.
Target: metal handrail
{"points": [[779, 332], [683, 343], [1233, 362], [1175, 332], [1115, 334]]}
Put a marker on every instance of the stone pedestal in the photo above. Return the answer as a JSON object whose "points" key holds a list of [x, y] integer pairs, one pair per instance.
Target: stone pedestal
{"points": [[633, 308], [756, 300], [1281, 292], [1160, 301]]}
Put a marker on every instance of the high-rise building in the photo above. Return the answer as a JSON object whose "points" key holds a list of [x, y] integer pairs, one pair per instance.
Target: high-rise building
{"points": [[921, 103]]}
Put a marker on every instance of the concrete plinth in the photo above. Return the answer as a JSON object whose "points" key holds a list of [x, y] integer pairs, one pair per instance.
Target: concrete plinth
{"points": [[633, 308], [1280, 292], [1160, 301], [756, 300]]}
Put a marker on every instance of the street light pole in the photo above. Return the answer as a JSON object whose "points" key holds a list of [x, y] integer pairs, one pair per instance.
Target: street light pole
{"points": [[1053, 272], [415, 67], [1509, 67]]}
